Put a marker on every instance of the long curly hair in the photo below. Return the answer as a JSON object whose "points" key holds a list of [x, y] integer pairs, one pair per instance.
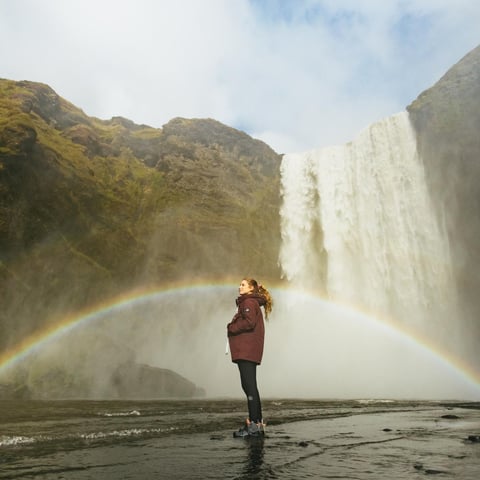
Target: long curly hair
{"points": [[261, 290]]}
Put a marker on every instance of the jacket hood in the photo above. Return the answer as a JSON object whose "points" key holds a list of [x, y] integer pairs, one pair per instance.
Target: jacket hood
{"points": [[259, 298]]}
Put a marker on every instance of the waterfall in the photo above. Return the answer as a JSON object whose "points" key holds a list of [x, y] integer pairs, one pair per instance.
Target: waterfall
{"points": [[358, 224]]}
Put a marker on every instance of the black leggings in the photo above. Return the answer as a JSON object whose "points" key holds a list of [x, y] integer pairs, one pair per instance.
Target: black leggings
{"points": [[248, 377]]}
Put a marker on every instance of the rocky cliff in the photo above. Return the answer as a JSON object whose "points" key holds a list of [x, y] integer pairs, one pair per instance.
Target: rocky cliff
{"points": [[447, 121], [90, 208]]}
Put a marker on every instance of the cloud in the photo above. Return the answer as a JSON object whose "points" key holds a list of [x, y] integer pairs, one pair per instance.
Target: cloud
{"points": [[296, 74]]}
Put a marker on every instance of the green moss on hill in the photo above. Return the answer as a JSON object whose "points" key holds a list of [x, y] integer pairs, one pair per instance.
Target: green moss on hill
{"points": [[90, 207]]}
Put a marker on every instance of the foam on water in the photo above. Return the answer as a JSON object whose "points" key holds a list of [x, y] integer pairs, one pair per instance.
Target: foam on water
{"points": [[8, 441]]}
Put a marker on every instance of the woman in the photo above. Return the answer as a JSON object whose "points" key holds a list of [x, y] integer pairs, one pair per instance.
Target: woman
{"points": [[246, 334]]}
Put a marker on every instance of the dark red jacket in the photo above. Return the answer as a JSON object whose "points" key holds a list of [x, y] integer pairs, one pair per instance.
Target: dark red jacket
{"points": [[246, 331]]}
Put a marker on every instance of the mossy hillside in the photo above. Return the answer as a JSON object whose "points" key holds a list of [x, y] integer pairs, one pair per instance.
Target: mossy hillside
{"points": [[90, 208]]}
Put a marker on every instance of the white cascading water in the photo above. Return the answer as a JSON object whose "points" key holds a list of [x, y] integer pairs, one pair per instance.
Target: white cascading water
{"points": [[361, 214]]}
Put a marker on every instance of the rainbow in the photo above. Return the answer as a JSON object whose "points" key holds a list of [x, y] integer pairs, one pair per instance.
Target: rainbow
{"points": [[39, 339], [56, 329]]}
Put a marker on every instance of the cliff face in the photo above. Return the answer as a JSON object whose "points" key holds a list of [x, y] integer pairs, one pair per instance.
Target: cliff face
{"points": [[447, 121], [90, 208]]}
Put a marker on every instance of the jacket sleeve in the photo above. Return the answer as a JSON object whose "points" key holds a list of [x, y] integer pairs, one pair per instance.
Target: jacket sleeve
{"points": [[245, 320]]}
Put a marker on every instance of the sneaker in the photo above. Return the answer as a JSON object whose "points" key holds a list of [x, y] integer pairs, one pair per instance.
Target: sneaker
{"points": [[253, 430], [250, 429], [262, 427], [241, 432]]}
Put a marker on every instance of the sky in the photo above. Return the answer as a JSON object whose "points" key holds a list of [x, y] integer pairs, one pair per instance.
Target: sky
{"points": [[297, 74]]}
